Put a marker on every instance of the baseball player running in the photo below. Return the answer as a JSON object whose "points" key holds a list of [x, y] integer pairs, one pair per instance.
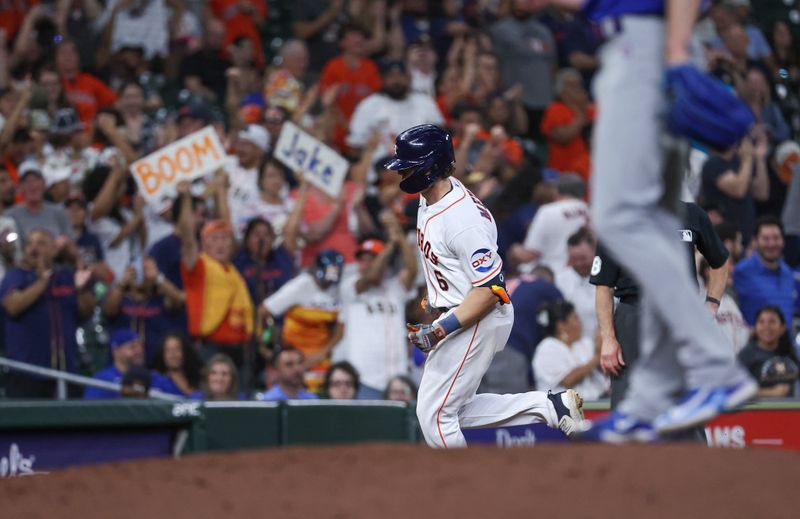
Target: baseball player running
{"points": [[457, 239], [647, 80]]}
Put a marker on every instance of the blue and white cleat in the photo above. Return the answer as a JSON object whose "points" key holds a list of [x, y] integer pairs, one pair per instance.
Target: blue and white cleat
{"points": [[702, 404], [616, 428]]}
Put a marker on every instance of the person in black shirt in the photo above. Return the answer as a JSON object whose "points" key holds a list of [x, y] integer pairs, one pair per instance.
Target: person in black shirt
{"points": [[317, 22], [770, 344], [203, 72], [620, 332], [736, 181]]}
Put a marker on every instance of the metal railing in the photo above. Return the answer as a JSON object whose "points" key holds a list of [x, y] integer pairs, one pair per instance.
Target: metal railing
{"points": [[62, 377]]}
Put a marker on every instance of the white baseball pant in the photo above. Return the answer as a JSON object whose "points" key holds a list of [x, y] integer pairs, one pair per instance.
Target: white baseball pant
{"points": [[447, 400], [681, 345]]}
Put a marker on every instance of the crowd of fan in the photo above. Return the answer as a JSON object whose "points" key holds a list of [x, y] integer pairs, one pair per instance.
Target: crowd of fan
{"points": [[255, 283]]}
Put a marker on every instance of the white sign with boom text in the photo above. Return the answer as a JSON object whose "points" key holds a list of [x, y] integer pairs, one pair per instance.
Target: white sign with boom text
{"points": [[194, 156]]}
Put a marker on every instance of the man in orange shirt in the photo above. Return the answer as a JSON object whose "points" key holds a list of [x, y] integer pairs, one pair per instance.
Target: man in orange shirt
{"points": [[353, 74], [564, 125], [84, 91], [218, 304], [12, 15], [242, 19]]}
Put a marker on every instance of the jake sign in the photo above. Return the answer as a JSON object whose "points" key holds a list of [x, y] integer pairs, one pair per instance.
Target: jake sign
{"points": [[194, 156], [320, 165]]}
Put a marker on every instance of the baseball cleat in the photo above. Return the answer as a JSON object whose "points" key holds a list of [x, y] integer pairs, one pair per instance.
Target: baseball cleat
{"points": [[617, 428], [569, 409], [702, 404]]}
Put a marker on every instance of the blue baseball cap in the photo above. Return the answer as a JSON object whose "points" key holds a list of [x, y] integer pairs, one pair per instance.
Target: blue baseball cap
{"points": [[122, 336]]}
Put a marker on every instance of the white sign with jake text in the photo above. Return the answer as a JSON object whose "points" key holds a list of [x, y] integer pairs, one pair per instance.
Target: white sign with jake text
{"points": [[194, 156], [319, 164]]}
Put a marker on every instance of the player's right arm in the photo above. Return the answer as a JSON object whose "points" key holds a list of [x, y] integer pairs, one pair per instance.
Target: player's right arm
{"points": [[483, 268], [478, 302]]}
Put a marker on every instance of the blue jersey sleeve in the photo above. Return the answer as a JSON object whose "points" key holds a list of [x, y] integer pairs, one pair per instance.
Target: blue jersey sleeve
{"points": [[15, 279]]}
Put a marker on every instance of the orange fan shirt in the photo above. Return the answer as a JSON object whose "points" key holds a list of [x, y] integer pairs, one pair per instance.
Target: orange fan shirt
{"points": [[354, 85], [218, 304], [310, 314], [88, 94], [339, 237], [239, 23], [574, 155]]}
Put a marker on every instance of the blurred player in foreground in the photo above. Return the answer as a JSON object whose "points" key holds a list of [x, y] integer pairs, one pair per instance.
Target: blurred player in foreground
{"points": [[647, 85]]}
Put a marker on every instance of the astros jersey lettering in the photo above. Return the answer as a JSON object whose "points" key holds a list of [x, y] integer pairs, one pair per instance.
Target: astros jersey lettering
{"points": [[459, 252]]}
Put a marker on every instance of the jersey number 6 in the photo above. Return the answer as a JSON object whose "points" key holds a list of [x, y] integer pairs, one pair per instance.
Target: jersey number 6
{"points": [[442, 281]]}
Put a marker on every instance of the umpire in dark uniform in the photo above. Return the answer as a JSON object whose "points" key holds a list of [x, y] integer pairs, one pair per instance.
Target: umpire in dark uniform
{"points": [[620, 328]]}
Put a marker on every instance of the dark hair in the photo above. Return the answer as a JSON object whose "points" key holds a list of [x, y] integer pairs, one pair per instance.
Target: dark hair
{"points": [[21, 135], [517, 192], [66, 42], [271, 161], [544, 271], [175, 209], [92, 185], [252, 224], [62, 96], [768, 220], [191, 362], [221, 358], [352, 27], [99, 137], [582, 235], [792, 54], [554, 312], [405, 380], [126, 84], [784, 348], [464, 107], [285, 349], [342, 366], [726, 231]]}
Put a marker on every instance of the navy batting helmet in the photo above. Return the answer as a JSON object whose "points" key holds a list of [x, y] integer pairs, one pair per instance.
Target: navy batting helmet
{"points": [[427, 150], [328, 266]]}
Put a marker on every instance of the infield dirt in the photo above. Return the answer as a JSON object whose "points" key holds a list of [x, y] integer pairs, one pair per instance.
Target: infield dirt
{"points": [[407, 481]]}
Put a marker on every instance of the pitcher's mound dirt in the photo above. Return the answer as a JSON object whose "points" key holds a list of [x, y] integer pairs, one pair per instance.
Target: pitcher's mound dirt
{"points": [[410, 482]]}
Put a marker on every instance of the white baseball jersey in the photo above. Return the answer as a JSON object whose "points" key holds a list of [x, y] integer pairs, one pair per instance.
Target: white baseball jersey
{"points": [[375, 330], [457, 238], [551, 228], [554, 360], [243, 189]]}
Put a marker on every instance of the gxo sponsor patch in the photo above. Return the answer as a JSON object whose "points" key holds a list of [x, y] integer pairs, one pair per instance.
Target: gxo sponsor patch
{"points": [[482, 260]]}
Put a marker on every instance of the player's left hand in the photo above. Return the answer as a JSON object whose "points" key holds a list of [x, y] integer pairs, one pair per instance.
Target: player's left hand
{"points": [[425, 336]]}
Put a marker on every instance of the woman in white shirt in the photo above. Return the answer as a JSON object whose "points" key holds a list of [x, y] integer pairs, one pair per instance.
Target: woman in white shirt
{"points": [[565, 361], [273, 203], [121, 231]]}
